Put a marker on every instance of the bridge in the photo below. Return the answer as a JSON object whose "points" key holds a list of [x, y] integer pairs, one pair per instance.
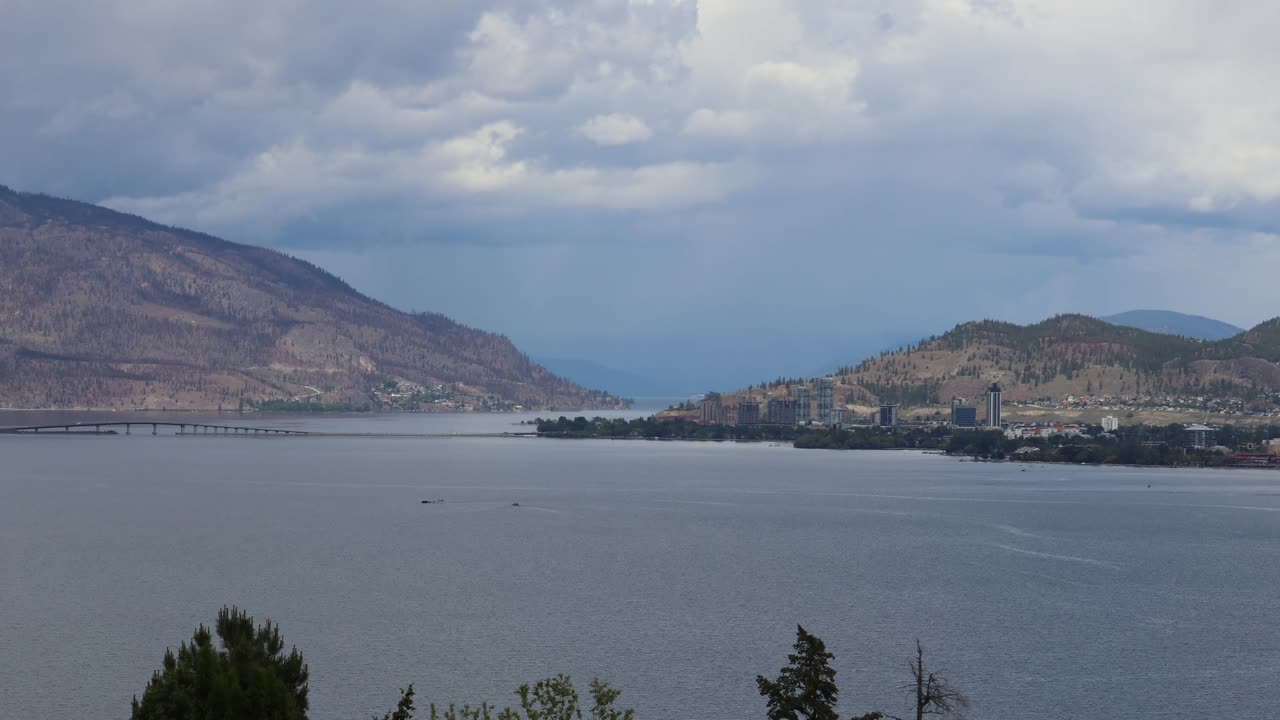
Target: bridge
{"points": [[108, 428]]}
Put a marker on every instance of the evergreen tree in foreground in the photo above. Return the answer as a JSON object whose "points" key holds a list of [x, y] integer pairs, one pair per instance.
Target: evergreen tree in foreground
{"points": [[806, 687], [248, 678]]}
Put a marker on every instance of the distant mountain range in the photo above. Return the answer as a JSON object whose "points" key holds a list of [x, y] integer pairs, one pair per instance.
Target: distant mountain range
{"points": [[1175, 323], [106, 310], [619, 382], [1067, 355]]}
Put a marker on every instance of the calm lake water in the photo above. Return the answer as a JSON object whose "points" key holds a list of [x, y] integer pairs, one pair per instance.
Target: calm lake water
{"points": [[677, 571]]}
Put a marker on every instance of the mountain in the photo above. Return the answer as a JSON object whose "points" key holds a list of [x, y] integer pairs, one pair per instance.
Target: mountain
{"points": [[1067, 355], [592, 374], [1175, 323], [107, 310]]}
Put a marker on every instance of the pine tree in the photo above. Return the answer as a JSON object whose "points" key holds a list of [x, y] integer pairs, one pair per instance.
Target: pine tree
{"points": [[249, 677], [806, 688]]}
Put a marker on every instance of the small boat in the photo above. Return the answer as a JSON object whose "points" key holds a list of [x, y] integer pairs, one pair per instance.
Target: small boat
{"points": [[515, 504]]}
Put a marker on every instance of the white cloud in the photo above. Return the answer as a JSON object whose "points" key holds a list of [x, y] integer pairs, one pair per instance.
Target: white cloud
{"points": [[615, 129], [1114, 134]]}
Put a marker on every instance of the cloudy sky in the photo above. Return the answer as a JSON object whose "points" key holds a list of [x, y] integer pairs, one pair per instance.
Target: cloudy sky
{"points": [[713, 191]]}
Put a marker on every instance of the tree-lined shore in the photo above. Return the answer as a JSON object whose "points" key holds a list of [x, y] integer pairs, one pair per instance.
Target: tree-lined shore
{"points": [[1154, 445]]}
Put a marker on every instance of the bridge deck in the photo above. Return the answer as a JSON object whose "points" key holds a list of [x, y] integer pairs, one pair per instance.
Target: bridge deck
{"points": [[128, 425], [205, 430]]}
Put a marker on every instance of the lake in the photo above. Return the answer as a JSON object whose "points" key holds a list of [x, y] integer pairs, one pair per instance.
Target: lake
{"points": [[676, 571]]}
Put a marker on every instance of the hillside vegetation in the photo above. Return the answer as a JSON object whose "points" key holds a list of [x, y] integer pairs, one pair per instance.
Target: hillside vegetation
{"points": [[1067, 356], [102, 309], [1073, 355]]}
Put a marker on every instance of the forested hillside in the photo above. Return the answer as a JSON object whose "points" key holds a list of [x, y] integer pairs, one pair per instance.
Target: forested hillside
{"points": [[1068, 356], [1073, 355]]}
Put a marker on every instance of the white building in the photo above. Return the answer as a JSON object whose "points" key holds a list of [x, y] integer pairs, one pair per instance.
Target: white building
{"points": [[1110, 423]]}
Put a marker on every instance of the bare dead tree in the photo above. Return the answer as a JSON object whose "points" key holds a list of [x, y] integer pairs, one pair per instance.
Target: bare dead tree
{"points": [[934, 695]]}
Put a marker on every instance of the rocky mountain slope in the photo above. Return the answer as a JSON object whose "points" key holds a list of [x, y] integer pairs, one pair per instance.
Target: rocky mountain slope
{"points": [[106, 310], [1074, 355], [1068, 356]]}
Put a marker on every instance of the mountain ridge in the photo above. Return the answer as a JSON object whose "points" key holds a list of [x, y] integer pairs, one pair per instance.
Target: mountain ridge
{"points": [[109, 310], [1170, 322], [1065, 356]]}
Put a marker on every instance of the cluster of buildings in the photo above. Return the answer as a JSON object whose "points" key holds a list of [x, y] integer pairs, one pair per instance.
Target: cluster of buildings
{"points": [[799, 409], [816, 405]]}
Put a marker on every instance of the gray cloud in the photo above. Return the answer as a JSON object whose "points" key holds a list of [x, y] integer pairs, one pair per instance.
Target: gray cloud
{"points": [[629, 180]]}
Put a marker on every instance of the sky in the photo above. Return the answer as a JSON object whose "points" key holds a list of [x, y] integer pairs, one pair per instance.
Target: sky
{"points": [[704, 192]]}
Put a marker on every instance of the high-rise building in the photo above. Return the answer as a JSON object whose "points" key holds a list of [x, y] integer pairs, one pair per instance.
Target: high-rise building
{"points": [[781, 411], [1199, 436], [962, 414], [1110, 423], [749, 412], [888, 414], [711, 409], [993, 405], [804, 407], [826, 400]]}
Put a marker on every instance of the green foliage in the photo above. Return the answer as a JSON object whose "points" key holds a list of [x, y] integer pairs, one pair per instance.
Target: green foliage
{"points": [[249, 676], [553, 698], [805, 688], [404, 708], [873, 438], [657, 429], [1157, 445]]}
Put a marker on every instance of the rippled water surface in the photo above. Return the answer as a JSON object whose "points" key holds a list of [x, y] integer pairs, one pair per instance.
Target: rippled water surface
{"points": [[675, 570]]}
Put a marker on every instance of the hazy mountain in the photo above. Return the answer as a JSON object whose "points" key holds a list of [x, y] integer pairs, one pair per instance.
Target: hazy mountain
{"points": [[102, 309], [1175, 323], [618, 382]]}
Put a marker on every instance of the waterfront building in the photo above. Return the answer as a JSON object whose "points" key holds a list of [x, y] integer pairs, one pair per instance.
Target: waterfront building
{"points": [[888, 414], [1199, 436], [826, 400], [1110, 423], [803, 406], [710, 408], [780, 411], [749, 412], [963, 415], [993, 405]]}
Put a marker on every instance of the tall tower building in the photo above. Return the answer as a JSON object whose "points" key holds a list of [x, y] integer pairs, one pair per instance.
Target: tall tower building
{"points": [[711, 409], [826, 399], [803, 407], [993, 405]]}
